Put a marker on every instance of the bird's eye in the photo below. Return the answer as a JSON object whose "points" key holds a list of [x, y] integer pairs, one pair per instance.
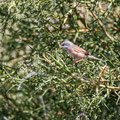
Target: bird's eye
{"points": [[63, 44]]}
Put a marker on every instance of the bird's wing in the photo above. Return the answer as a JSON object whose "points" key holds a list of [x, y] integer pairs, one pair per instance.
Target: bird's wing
{"points": [[78, 49]]}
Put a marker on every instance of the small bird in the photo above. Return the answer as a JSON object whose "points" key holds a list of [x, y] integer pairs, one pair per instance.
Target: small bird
{"points": [[77, 52]]}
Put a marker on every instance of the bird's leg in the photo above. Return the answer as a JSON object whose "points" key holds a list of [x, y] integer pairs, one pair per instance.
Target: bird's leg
{"points": [[77, 61]]}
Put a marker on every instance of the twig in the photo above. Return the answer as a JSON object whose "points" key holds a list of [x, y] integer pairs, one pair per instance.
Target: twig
{"points": [[47, 60], [26, 77], [116, 93], [44, 109], [100, 23], [102, 71], [5, 118], [80, 30], [110, 87]]}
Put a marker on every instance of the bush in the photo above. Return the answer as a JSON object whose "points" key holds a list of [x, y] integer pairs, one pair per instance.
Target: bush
{"points": [[39, 80]]}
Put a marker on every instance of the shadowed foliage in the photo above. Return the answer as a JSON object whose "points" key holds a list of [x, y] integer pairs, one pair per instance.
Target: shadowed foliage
{"points": [[38, 79]]}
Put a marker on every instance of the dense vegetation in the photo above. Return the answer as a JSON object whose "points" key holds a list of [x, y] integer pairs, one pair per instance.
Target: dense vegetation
{"points": [[38, 79]]}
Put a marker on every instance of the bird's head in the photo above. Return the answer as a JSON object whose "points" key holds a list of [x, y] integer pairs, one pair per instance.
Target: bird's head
{"points": [[66, 44]]}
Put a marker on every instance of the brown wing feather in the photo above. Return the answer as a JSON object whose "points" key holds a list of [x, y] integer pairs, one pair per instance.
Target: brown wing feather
{"points": [[78, 49]]}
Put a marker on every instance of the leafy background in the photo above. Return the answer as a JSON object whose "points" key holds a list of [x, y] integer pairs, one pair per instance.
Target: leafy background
{"points": [[38, 80]]}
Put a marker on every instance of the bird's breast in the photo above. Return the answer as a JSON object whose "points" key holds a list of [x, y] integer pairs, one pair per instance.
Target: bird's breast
{"points": [[70, 52], [77, 55]]}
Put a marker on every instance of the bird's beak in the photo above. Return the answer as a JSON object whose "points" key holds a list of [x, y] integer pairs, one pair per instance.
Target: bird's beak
{"points": [[61, 46]]}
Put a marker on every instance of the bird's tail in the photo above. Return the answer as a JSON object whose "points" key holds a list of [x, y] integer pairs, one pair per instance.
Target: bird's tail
{"points": [[95, 58]]}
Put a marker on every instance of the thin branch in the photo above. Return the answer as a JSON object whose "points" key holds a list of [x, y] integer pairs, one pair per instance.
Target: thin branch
{"points": [[100, 23], [110, 87]]}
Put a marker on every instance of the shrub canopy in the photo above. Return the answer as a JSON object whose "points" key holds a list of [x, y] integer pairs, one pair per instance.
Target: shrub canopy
{"points": [[38, 79]]}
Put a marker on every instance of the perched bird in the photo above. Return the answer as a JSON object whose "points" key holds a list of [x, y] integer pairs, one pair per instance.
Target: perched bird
{"points": [[77, 52]]}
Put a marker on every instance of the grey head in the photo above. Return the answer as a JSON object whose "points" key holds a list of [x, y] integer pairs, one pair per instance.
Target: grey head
{"points": [[66, 44]]}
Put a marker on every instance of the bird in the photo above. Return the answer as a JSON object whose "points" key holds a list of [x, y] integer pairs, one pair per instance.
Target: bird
{"points": [[76, 52]]}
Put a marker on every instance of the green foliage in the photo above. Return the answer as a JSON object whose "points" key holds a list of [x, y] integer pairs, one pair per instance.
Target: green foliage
{"points": [[38, 79]]}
